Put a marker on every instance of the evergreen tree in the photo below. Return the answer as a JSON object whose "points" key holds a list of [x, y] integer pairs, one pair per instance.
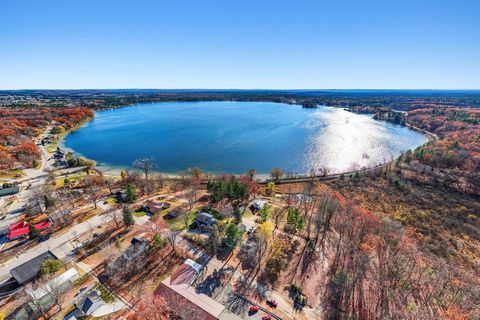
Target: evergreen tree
{"points": [[295, 222], [214, 240], [233, 235], [131, 193], [33, 232], [265, 213], [127, 217]]}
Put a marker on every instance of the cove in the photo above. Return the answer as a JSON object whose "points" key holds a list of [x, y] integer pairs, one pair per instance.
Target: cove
{"points": [[232, 137]]}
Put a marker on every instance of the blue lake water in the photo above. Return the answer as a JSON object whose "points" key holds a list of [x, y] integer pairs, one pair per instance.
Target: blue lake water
{"points": [[232, 137]]}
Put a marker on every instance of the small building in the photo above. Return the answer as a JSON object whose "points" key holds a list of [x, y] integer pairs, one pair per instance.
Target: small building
{"points": [[257, 205], [185, 301], [120, 196], [86, 306], [205, 220], [30, 270]]}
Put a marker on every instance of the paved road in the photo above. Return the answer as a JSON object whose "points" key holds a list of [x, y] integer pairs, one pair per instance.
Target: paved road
{"points": [[62, 245]]}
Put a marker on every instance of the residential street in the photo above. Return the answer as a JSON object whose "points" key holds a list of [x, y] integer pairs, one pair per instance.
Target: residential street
{"points": [[62, 245]]}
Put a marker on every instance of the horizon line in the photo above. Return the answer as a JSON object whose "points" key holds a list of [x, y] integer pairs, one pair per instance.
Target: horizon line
{"points": [[246, 89]]}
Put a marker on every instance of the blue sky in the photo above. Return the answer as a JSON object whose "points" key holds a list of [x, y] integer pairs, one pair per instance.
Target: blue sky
{"points": [[240, 44]]}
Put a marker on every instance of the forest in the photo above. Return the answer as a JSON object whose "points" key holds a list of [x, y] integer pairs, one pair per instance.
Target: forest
{"points": [[101, 99], [19, 127]]}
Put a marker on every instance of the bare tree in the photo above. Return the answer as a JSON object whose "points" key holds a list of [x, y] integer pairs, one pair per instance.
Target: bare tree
{"points": [[42, 197], [145, 165], [92, 186], [171, 237], [160, 180], [276, 173], [191, 196], [110, 182], [195, 173], [277, 215], [116, 217], [52, 295]]}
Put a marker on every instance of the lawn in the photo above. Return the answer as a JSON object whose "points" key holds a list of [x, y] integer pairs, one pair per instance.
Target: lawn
{"points": [[248, 213], [139, 213], [51, 148], [60, 182], [112, 200], [10, 174], [178, 223]]}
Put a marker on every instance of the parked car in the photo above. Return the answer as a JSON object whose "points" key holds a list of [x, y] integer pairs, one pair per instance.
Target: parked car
{"points": [[44, 238], [272, 303]]}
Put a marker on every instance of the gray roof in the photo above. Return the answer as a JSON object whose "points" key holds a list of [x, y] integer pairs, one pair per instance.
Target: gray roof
{"points": [[91, 304], [205, 218], [30, 269], [86, 306]]}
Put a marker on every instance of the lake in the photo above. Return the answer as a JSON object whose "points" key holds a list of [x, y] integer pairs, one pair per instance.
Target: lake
{"points": [[232, 137]]}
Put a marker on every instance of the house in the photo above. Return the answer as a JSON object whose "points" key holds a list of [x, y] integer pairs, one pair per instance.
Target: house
{"points": [[86, 306], [257, 205], [60, 283], [137, 247], [21, 229], [30, 269], [120, 196], [155, 207], [185, 301], [173, 213], [9, 191], [205, 220], [139, 241]]}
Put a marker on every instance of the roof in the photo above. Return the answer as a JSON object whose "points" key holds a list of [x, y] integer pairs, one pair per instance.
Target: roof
{"points": [[90, 303], [198, 267], [153, 204], [15, 233], [259, 204], [69, 275], [17, 225], [183, 275], [22, 229], [186, 273], [86, 306], [138, 240], [30, 269], [200, 300], [205, 218]]}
